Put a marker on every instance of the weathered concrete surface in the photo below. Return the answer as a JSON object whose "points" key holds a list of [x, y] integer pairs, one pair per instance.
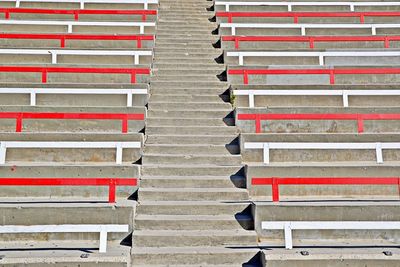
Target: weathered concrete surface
{"points": [[318, 126], [323, 192], [335, 257], [328, 211], [66, 193], [317, 101], [319, 155]]}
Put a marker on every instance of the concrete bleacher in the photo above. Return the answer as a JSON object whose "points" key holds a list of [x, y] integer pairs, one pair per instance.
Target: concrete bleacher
{"points": [[74, 85], [199, 133], [312, 91]]}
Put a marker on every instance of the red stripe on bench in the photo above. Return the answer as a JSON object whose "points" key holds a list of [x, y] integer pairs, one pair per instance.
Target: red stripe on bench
{"points": [[330, 72], [44, 70], [311, 39], [64, 37], [76, 12], [276, 181], [19, 116], [297, 15], [360, 118], [110, 182]]}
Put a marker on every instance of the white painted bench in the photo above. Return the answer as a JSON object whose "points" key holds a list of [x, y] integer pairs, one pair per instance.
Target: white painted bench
{"points": [[304, 26], [288, 226], [266, 147], [83, 2], [290, 5], [103, 229], [344, 93], [61, 144], [70, 24], [321, 55], [33, 92], [54, 53]]}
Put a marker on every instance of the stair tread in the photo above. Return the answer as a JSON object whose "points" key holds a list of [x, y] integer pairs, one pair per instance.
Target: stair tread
{"points": [[191, 217], [235, 232]]}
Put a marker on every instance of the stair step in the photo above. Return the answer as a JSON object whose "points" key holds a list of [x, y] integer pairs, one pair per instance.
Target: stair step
{"points": [[188, 98], [194, 68], [186, 114], [191, 130], [234, 181], [159, 77], [187, 91], [191, 207], [189, 105], [199, 149], [185, 194], [186, 122], [194, 159], [182, 238], [190, 139], [189, 85], [192, 222], [192, 256]]}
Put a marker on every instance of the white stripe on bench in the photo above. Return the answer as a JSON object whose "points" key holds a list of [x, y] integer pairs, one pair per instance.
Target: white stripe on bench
{"points": [[344, 93], [288, 226], [320, 55], [103, 229], [267, 146], [289, 5], [70, 91], [70, 24], [56, 52], [61, 144], [304, 26], [83, 2]]}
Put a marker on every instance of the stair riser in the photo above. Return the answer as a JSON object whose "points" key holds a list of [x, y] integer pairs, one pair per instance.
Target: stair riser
{"points": [[197, 150], [199, 91], [188, 224], [217, 140], [191, 160], [176, 209], [192, 106], [192, 171], [187, 114], [189, 98], [190, 131], [198, 259], [192, 196], [183, 122], [193, 183], [192, 241]]}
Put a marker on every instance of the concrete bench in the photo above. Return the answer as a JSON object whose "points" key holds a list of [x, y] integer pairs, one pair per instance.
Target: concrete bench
{"points": [[311, 42], [70, 25], [111, 183], [13, 73], [342, 96], [43, 145], [373, 28], [288, 226], [295, 16], [81, 54], [267, 146], [358, 119], [19, 117], [75, 14], [275, 182], [34, 93], [76, 40], [303, 75], [69, 228], [290, 5], [322, 57], [83, 2]]}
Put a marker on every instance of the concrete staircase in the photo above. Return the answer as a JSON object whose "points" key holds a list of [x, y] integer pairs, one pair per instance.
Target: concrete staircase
{"points": [[193, 206]]}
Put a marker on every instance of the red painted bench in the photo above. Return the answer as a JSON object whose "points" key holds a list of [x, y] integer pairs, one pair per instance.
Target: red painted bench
{"points": [[82, 37], [276, 181], [360, 118], [44, 70], [297, 15], [76, 12], [112, 183], [311, 39], [19, 116], [331, 72]]}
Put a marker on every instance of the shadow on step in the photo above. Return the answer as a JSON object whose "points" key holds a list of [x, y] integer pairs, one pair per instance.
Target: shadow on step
{"points": [[245, 218]]}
